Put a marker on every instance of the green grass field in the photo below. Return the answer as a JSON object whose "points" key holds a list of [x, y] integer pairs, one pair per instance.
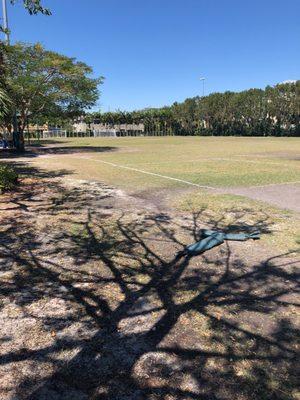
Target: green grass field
{"points": [[215, 162], [144, 166]]}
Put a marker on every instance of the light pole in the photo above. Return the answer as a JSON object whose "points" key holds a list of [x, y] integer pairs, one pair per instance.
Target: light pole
{"points": [[5, 21], [202, 79], [16, 136]]}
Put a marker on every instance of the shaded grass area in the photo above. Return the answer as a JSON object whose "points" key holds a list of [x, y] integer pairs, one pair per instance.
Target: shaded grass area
{"points": [[8, 177], [218, 162], [99, 302], [285, 233]]}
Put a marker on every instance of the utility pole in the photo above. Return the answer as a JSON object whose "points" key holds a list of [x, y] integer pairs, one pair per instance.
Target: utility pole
{"points": [[19, 145], [5, 21], [203, 79]]}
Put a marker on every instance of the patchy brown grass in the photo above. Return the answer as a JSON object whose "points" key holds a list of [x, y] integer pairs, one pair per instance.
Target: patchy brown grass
{"points": [[212, 161], [98, 301], [227, 208]]}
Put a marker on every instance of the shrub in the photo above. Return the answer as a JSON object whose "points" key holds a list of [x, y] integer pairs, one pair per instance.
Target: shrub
{"points": [[8, 177]]}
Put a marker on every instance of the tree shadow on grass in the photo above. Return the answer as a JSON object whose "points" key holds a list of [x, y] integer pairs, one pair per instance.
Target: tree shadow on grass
{"points": [[142, 320], [36, 151], [74, 149], [25, 170], [23, 200], [45, 142]]}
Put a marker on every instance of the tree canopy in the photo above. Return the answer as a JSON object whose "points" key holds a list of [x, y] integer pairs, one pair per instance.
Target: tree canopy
{"points": [[4, 103], [43, 83], [33, 7], [274, 111]]}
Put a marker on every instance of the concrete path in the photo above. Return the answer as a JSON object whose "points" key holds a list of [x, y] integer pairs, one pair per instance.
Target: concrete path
{"points": [[285, 196]]}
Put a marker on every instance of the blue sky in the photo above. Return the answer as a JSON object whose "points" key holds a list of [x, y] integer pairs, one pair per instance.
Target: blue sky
{"points": [[153, 52]]}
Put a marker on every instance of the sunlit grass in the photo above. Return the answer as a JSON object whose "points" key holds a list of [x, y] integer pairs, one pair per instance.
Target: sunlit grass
{"points": [[217, 162]]}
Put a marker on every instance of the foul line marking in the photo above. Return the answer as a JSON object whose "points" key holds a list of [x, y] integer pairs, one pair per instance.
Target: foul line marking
{"points": [[177, 179], [150, 173]]}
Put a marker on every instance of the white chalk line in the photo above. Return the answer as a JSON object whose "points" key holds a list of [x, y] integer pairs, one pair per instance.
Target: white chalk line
{"points": [[150, 173], [180, 180]]}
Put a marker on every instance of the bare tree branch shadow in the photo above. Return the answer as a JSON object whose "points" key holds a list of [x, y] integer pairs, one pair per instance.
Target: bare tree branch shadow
{"points": [[135, 318]]}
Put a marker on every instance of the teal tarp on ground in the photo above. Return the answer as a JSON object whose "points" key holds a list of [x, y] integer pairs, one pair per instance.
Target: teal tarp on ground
{"points": [[215, 238]]}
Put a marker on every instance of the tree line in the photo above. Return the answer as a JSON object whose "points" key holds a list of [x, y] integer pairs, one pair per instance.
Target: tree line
{"points": [[274, 111], [41, 86]]}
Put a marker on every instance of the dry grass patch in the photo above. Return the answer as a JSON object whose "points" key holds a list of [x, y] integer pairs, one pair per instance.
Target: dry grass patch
{"points": [[279, 228]]}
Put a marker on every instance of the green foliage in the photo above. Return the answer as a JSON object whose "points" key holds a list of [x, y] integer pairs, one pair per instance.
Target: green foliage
{"points": [[43, 83], [4, 103], [274, 111], [4, 98], [8, 177], [34, 7]]}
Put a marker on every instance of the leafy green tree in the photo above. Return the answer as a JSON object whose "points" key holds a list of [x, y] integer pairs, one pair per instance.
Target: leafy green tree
{"points": [[33, 7], [283, 108], [43, 83], [253, 112]]}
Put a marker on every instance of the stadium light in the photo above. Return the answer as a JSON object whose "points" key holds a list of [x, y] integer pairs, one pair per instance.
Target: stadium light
{"points": [[5, 21], [202, 79]]}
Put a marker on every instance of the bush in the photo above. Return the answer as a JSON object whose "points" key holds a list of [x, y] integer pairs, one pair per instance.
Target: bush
{"points": [[8, 178]]}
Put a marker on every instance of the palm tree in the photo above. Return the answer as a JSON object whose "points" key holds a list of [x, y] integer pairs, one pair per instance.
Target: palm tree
{"points": [[4, 103]]}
